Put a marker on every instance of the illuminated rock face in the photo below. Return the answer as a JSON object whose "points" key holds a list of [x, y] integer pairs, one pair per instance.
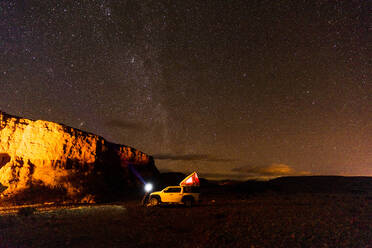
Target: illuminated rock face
{"points": [[42, 155]]}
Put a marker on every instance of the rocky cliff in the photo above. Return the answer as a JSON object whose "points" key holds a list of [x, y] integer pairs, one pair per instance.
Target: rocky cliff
{"points": [[57, 161]]}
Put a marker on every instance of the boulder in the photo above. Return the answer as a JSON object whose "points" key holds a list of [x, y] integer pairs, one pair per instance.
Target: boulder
{"points": [[42, 158]]}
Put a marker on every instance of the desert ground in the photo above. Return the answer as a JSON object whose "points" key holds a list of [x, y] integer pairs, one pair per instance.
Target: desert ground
{"points": [[226, 217]]}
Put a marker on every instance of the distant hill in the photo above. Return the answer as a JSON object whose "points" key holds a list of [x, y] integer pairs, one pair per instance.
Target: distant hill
{"points": [[291, 184], [319, 184], [308, 184]]}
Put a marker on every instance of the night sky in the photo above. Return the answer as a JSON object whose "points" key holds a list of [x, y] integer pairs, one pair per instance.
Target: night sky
{"points": [[231, 89]]}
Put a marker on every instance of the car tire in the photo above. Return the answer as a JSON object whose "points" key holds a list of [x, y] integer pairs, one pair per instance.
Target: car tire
{"points": [[154, 201]]}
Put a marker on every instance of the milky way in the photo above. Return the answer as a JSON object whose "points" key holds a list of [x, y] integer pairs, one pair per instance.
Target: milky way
{"points": [[232, 89]]}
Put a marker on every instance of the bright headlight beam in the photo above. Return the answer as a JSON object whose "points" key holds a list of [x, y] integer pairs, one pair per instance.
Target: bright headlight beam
{"points": [[148, 187]]}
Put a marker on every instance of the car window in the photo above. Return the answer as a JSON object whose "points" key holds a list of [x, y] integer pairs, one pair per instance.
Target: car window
{"points": [[173, 190]]}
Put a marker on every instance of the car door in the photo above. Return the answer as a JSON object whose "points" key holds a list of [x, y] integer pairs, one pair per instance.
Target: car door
{"points": [[166, 196], [177, 194], [172, 194]]}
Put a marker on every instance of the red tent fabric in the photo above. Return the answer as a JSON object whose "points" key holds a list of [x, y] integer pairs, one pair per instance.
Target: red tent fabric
{"points": [[191, 180]]}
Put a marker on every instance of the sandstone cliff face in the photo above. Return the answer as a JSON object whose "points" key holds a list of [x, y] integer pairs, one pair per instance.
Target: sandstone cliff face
{"points": [[46, 156]]}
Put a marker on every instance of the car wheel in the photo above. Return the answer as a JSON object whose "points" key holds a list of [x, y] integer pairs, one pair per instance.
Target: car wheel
{"points": [[154, 201]]}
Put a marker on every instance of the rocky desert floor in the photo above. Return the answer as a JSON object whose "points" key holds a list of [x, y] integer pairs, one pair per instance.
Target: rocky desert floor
{"points": [[221, 220]]}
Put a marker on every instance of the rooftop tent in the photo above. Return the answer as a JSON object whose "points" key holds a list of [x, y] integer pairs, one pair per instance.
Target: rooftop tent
{"points": [[191, 180]]}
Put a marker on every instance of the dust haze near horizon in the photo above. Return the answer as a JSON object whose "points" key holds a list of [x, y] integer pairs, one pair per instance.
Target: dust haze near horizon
{"points": [[231, 89]]}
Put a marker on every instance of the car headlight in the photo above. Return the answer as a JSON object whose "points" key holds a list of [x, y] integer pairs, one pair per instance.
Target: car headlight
{"points": [[148, 187]]}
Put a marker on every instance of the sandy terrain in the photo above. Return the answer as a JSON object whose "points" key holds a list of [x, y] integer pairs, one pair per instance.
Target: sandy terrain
{"points": [[221, 220]]}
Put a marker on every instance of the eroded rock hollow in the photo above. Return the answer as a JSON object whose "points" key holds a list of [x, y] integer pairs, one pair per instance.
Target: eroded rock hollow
{"points": [[42, 158]]}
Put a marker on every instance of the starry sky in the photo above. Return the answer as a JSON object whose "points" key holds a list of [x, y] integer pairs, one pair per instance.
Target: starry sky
{"points": [[232, 89]]}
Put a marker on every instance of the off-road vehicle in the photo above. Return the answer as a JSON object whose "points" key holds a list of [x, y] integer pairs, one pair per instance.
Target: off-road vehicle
{"points": [[186, 193]]}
